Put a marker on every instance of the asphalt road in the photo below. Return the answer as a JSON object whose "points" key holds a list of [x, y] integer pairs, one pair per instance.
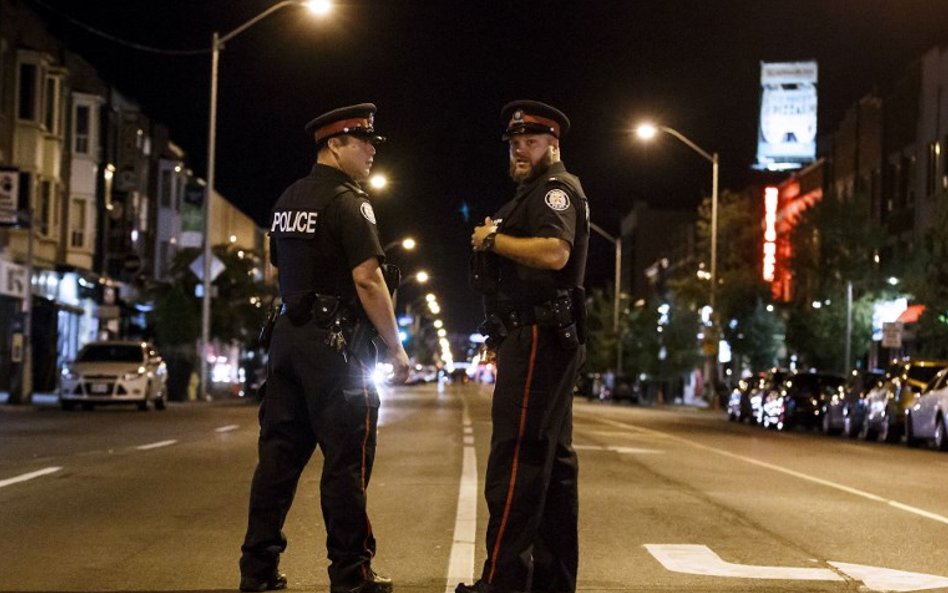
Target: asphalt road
{"points": [[672, 499]]}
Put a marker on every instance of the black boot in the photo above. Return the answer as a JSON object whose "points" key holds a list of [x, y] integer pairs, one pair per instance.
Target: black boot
{"points": [[273, 582], [480, 587]]}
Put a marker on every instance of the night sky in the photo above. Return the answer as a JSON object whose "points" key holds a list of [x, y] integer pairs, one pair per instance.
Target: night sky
{"points": [[439, 72]]}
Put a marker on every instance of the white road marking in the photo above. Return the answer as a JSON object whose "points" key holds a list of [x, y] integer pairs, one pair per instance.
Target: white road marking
{"points": [[885, 579], [24, 477], [694, 559], [700, 560], [789, 472], [461, 563], [156, 445], [632, 450], [227, 428]]}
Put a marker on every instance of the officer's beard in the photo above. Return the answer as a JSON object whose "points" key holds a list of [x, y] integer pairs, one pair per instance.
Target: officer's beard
{"points": [[526, 175]]}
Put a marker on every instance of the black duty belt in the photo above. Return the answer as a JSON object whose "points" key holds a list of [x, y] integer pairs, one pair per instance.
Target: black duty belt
{"points": [[552, 313], [325, 309]]}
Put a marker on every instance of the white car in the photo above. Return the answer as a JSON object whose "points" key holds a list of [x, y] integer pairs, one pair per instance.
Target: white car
{"points": [[928, 418], [114, 371]]}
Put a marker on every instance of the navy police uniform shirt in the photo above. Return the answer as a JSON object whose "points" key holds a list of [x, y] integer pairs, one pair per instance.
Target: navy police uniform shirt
{"points": [[552, 205], [321, 228]]}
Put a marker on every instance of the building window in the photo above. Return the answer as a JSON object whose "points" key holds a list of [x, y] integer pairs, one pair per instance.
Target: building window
{"points": [[46, 208], [81, 132], [3, 56], [931, 169], [166, 188], [77, 223], [28, 92], [51, 110], [908, 180], [944, 163], [164, 256]]}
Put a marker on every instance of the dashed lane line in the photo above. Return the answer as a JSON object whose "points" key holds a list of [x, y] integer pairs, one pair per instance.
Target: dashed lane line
{"points": [[629, 450], [854, 491], [157, 445], [227, 428], [24, 477], [461, 563]]}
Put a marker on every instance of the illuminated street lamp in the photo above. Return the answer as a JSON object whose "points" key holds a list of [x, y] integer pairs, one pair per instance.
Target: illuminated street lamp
{"points": [[378, 181], [407, 244], [648, 131], [316, 7]]}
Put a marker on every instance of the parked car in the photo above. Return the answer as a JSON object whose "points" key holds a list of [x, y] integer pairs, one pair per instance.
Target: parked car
{"points": [[114, 371], [738, 405], [887, 404], [845, 414], [800, 399], [771, 380], [928, 418]]}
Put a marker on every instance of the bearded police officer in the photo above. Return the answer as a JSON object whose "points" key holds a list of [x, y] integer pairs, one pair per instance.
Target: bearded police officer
{"points": [[324, 241], [530, 261]]}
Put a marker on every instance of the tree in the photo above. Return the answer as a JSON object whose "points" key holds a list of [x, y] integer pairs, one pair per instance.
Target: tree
{"points": [[833, 243], [742, 294], [239, 309], [601, 339], [928, 281], [757, 337]]}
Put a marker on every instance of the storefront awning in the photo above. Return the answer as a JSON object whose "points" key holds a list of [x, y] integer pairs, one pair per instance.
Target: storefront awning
{"points": [[911, 314]]}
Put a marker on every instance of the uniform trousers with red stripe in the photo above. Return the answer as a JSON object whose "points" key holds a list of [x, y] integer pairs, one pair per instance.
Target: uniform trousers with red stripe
{"points": [[313, 398], [531, 481]]}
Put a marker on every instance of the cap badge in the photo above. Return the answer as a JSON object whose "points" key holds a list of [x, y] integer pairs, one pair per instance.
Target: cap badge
{"points": [[557, 199]]}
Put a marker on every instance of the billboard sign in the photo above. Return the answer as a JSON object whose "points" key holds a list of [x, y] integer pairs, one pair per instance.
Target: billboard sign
{"points": [[786, 137], [192, 215]]}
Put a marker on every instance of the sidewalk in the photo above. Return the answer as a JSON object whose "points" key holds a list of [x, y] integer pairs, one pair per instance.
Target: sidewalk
{"points": [[39, 399]]}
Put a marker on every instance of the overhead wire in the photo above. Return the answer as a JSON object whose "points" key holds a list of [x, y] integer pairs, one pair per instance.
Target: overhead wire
{"points": [[120, 41]]}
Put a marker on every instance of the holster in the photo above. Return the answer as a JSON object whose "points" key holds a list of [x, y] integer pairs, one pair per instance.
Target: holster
{"points": [[266, 330], [483, 271], [360, 340], [493, 327], [580, 314]]}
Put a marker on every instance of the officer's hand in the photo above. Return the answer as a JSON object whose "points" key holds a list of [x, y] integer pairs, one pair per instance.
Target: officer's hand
{"points": [[477, 237], [399, 360]]}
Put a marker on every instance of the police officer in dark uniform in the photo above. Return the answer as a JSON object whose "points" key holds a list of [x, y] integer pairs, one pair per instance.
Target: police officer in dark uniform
{"points": [[323, 239], [529, 262]]}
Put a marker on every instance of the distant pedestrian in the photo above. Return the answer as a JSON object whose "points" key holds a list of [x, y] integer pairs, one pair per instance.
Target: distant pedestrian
{"points": [[530, 261], [325, 243]]}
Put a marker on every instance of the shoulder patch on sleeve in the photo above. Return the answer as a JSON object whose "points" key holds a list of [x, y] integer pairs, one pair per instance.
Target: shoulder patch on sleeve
{"points": [[557, 199], [367, 212]]}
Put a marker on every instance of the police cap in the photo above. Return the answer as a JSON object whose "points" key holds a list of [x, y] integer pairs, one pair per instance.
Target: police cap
{"points": [[533, 117], [354, 120]]}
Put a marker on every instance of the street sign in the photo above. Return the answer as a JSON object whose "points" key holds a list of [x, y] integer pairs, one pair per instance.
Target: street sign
{"points": [[13, 280], [9, 192], [701, 560], [892, 335], [197, 267]]}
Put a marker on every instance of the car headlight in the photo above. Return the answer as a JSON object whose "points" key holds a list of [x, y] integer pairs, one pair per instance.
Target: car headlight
{"points": [[69, 374], [136, 375]]}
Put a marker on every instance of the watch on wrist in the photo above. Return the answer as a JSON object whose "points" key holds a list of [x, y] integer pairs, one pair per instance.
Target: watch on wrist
{"points": [[488, 243]]}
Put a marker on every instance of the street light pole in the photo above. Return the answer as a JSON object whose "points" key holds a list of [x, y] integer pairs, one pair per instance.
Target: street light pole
{"points": [[617, 241], [647, 131], [217, 43]]}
